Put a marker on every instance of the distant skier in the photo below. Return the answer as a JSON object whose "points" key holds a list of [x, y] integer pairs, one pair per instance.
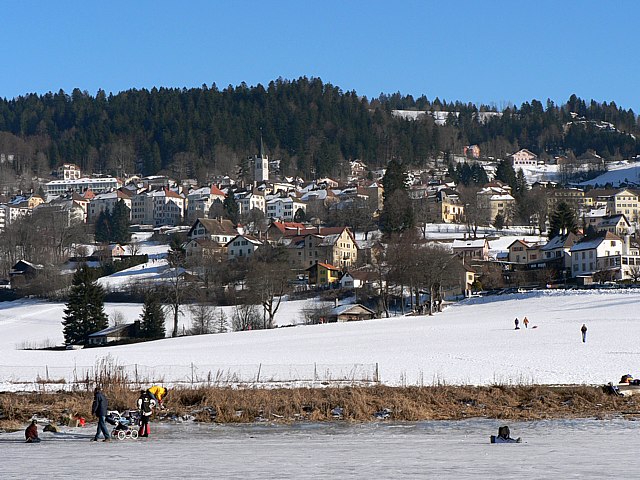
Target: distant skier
{"points": [[31, 432], [145, 405], [584, 333], [526, 322], [517, 322]]}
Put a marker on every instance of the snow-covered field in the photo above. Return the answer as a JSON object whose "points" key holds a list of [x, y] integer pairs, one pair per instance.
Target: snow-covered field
{"points": [[473, 342], [553, 450], [622, 172]]}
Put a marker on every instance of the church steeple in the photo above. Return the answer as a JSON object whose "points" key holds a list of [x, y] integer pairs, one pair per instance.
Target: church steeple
{"points": [[261, 164], [262, 154]]}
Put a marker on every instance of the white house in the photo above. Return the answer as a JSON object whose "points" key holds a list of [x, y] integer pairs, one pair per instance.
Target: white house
{"points": [[596, 254], [199, 201], [220, 231], [104, 201], [284, 208], [524, 158], [242, 246], [158, 207], [247, 201]]}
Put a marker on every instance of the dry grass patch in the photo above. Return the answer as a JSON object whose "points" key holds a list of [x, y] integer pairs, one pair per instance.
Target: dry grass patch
{"points": [[359, 404]]}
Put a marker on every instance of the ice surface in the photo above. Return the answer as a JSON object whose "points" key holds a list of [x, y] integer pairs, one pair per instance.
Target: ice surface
{"points": [[552, 450]]}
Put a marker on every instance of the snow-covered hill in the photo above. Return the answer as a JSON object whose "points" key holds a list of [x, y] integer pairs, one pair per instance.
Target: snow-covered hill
{"points": [[470, 343], [622, 173]]}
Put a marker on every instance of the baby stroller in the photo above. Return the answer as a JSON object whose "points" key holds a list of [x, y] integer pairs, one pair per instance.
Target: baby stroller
{"points": [[125, 425]]}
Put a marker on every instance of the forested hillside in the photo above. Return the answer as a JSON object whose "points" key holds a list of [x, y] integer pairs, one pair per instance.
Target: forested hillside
{"points": [[313, 127]]}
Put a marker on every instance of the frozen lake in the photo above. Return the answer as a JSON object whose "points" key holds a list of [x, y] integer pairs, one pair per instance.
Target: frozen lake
{"points": [[552, 449]]}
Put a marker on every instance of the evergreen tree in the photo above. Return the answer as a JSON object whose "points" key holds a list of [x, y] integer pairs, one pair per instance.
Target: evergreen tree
{"points": [[231, 208], [520, 184], [506, 174], [397, 212], [152, 318], [120, 223], [563, 220], [84, 313], [103, 227], [394, 179]]}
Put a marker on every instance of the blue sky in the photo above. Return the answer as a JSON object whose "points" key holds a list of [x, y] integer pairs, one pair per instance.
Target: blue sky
{"points": [[474, 51]]}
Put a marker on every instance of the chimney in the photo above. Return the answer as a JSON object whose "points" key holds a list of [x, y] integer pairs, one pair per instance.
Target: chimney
{"points": [[318, 229], [298, 230]]}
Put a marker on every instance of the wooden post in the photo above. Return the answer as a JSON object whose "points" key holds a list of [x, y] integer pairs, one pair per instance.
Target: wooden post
{"points": [[258, 377], [377, 374]]}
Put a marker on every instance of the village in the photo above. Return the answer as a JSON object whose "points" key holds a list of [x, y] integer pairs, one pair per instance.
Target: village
{"points": [[327, 234]]}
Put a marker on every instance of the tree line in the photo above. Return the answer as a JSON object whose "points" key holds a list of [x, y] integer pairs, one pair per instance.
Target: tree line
{"points": [[313, 127]]}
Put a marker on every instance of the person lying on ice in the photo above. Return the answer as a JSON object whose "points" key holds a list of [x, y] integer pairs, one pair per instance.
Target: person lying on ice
{"points": [[504, 436], [158, 393]]}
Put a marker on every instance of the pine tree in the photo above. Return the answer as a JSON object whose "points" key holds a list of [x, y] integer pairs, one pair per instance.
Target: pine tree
{"points": [[562, 221], [120, 223], [397, 212], [103, 227], [84, 313], [506, 174], [152, 318], [231, 208]]}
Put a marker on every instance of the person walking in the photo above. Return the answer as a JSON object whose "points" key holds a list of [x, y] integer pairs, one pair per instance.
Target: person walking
{"points": [[517, 322], [526, 322], [31, 432], [584, 333], [99, 409], [145, 405]]}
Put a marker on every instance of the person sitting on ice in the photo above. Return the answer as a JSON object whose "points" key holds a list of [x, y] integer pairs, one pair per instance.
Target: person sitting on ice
{"points": [[158, 394], [504, 436], [31, 432]]}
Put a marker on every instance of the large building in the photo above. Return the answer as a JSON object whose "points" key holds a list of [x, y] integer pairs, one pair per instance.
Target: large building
{"points": [[80, 185]]}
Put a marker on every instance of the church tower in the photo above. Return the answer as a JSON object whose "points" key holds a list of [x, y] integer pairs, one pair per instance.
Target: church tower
{"points": [[261, 165]]}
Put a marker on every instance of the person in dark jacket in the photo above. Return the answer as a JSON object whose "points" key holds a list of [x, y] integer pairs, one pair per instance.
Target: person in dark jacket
{"points": [[31, 432], [584, 333], [145, 404], [99, 409], [517, 322]]}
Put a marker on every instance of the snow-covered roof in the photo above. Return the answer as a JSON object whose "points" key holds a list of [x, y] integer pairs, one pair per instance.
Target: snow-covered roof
{"points": [[560, 241], [593, 243], [478, 243]]}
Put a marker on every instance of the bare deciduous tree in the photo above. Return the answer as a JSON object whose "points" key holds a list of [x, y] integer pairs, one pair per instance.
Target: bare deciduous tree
{"points": [[203, 319], [246, 317]]}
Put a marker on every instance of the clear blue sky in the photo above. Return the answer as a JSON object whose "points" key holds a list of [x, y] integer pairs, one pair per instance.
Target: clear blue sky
{"points": [[473, 51]]}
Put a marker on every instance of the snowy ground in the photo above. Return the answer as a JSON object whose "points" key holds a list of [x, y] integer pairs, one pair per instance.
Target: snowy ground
{"points": [[460, 450], [473, 342], [622, 172]]}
